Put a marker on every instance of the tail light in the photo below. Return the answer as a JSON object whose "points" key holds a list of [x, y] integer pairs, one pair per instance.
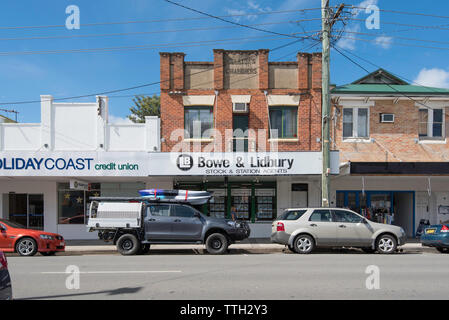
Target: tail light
{"points": [[3, 262], [444, 228], [280, 227]]}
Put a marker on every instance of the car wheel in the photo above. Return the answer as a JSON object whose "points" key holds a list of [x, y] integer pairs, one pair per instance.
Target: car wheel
{"points": [[443, 250], [291, 248], [48, 253], [304, 244], [386, 244], [369, 250], [26, 247], [128, 245], [216, 243]]}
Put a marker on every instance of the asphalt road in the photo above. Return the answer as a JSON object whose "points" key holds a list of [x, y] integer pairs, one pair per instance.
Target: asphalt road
{"points": [[324, 275]]}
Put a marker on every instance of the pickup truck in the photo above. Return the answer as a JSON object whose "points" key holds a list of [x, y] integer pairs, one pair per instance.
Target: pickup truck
{"points": [[134, 224]]}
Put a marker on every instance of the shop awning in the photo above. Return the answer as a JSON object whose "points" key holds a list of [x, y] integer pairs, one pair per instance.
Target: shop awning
{"points": [[406, 168]]}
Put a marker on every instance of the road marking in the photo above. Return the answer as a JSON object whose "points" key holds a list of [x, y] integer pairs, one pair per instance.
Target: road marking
{"points": [[109, 272]]}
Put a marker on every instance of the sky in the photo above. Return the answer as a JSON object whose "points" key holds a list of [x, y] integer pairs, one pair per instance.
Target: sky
{"points": [[40, 55]]}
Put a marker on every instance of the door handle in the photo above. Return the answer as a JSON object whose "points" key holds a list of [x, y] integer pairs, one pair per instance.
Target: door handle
{"points": [[313, 225], [177, 220], [342, 226], [151, 219]]}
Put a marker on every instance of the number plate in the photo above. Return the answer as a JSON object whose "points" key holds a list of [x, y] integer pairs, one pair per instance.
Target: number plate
{"points": [[61, 244], [430, 231]]}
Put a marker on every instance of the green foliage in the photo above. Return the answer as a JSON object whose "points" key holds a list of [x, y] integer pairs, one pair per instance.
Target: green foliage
{"points": [[145, 106]]}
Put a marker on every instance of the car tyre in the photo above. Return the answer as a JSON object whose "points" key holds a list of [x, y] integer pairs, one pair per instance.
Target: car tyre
{"points": [[386, 244], [217, 243], [48, 253], [304, 244], [128, 245], [26, 247], [291, 248], [443, 250]]}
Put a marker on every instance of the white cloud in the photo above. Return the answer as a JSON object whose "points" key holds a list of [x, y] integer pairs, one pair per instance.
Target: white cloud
{"points": [[384, 42], [356, 12], [434, 77], [348, 41], [236, 12], [118, 120]]}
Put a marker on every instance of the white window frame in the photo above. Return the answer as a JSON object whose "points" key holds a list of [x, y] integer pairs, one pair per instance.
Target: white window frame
{"points": [[430, 136], [355, 122]]}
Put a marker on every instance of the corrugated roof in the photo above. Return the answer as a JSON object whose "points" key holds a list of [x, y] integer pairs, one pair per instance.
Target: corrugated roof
{"points": [[393, 89]]}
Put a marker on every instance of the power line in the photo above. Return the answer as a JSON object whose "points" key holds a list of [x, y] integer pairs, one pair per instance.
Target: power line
{"points": [[229, 21], [403, 24], [389, 85], [159, 20], [146, 32], [407, 13], [144, 47], [126, 89], [397, 43]]}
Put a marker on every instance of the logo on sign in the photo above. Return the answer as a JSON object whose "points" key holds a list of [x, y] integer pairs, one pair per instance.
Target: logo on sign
{"points": [[184, 162]]}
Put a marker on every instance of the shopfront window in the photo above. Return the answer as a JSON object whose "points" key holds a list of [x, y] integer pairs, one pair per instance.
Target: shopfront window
{"points": [[284, 120], [73, 204], [26, 209], [197, 122]]}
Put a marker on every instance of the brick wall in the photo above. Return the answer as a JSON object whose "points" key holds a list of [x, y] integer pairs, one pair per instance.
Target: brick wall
{"points": [[392, 141], [309, 110]]}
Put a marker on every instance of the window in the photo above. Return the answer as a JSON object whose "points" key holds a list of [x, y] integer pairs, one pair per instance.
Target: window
{"points": [[355, 123], [285, 121], [431, 124], [292, 215], [346, 216], [182, 211], [321, 216], [197, 121], [73, 204], [158, 210]]}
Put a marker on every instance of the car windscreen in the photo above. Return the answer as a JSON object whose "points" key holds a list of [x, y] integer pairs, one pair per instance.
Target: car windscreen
{"points": [[13, 224]]}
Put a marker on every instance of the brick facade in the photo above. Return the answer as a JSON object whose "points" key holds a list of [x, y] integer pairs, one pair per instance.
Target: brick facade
{"points": [[309, 110], [390, 142]]}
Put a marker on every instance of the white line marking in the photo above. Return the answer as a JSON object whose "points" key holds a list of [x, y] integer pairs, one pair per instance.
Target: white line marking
{"points": [[112, 272]]}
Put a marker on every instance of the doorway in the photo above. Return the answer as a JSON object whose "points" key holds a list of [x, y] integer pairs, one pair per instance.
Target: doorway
{"points": [[403, 211], [26, 209], [300, 195]]}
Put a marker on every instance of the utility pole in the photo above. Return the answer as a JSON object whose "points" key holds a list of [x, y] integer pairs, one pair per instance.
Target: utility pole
{"points": [[326, 25], [325, 130]]}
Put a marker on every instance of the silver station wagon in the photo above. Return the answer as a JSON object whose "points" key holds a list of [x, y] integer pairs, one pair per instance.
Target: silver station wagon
{"points": [[304, 229]]}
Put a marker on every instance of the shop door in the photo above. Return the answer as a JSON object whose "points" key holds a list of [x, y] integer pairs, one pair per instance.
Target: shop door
{"points": [[240, 135], [299, 195], [27, 210], [241, 200]]}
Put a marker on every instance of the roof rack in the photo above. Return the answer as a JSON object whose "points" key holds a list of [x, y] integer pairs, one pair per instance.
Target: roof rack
{"points": [[142, 199]]}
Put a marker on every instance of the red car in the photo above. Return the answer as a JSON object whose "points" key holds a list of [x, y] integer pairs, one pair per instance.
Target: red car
{"points": [[27, 242]]}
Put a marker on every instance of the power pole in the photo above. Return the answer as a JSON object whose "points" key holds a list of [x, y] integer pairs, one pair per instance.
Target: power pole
{"points": [[325, 130], [326, 26]]}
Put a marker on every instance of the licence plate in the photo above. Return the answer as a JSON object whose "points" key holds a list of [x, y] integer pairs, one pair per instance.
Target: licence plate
{"points": [[61, 244], [430, 231]]}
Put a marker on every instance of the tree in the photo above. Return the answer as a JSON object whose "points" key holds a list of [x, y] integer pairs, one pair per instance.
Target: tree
{"points": [[145, 106]]}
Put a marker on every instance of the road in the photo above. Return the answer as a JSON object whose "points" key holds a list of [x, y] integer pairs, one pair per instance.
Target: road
{"points": [[322, 275]]}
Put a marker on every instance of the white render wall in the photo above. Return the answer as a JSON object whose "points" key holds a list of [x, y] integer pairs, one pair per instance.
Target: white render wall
{"points": [[79, 127]]}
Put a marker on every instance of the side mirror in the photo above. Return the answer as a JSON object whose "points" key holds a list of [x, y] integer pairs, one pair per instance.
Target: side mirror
{"points": [[196, 214], [364, 221]]}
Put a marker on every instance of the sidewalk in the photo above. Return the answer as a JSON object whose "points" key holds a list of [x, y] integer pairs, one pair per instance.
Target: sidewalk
{"points": [[263, 245]]}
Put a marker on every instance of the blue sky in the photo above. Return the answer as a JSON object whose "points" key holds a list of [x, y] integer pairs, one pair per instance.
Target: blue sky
{"points": [[25, 77]]}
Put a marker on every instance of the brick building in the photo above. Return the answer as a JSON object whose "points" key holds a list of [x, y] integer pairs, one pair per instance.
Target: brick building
{"points": [[392, 138], [242, 105]]}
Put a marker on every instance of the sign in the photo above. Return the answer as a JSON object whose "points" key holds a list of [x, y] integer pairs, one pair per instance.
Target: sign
{"points": [[79, 185], [144, 164]]}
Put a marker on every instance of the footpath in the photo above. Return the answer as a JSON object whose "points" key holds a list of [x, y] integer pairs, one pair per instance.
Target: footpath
{"points": [[249, 246]]}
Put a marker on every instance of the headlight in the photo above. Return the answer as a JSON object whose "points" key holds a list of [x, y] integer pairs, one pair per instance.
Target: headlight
{"points": [[46, 237], [402, 231], [233, 224]]}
